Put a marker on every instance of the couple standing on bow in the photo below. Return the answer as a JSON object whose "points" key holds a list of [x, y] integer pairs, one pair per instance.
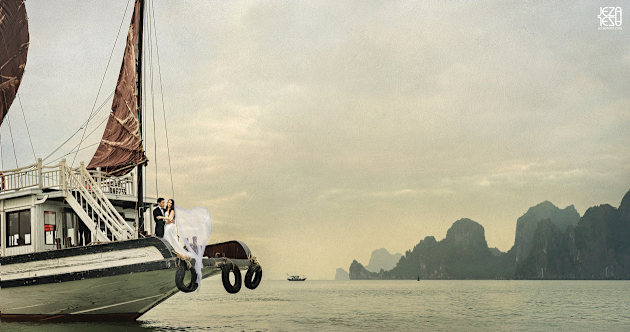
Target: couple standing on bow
{"points": [[165, 221]]}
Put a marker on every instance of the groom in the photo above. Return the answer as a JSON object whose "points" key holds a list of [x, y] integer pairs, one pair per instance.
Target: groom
{"points": [[159, 223]]}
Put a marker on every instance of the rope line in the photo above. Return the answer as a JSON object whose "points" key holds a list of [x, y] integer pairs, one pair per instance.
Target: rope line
{"points": [[102, 80], [182, 258], [26, 124], [168, 150], [155, 161], [100, 108], [72, 151], [76, 146], [12, 142]]}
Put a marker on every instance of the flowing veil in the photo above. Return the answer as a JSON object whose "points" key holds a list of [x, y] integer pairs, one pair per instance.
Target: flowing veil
{"points": [[194, 227]]}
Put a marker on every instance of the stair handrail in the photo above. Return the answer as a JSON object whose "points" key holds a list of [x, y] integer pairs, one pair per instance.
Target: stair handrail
{"points": [[78, 182], [77, 185], [106, 204], [74, 184], [100, 236]]}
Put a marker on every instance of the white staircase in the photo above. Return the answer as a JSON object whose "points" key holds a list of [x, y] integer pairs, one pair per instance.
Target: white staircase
{"points": [[87, 199]]}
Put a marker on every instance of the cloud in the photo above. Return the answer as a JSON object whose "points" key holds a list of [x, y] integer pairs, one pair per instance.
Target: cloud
{"points": [[320, 127]]}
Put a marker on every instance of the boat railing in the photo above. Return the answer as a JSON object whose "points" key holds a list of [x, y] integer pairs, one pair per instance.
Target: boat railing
{"points": [[118, 185], [87, 193], [51, 177], [82, 190]]}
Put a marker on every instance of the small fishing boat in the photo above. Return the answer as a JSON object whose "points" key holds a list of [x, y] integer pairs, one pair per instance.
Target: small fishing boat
{"points": [[296, 278]]}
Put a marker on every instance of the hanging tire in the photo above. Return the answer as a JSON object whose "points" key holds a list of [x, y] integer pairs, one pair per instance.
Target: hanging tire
{"points": [[225, 277], [253, 276], [179, 278]]}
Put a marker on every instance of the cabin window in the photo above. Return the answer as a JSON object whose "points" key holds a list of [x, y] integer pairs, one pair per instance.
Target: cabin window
{"points": [[70, 231], [50, 227], [19, 228]]}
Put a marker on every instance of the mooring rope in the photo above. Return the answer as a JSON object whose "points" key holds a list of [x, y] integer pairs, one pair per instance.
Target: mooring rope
{"points": [[181, 257]]}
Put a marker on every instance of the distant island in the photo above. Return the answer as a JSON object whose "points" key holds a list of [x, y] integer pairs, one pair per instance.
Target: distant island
{"points": [[341, 274], [550, 243], [381, 259]]}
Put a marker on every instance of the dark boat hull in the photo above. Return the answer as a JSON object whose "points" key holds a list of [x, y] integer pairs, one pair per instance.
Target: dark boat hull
{"points": [[117, 281]]}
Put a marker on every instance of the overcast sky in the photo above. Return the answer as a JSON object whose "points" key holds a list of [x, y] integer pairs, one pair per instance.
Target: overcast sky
{"points": [[319, 131]]}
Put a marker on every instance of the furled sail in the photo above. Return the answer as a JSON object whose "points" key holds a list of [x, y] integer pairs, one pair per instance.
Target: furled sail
{"points": [[13, 50], [120, 149]]}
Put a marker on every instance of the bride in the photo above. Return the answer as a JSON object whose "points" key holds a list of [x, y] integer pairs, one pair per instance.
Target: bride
{"points": [[170, 230]]}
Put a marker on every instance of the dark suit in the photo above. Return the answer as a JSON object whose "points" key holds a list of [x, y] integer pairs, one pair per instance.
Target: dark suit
{"points": [[159, 223]]}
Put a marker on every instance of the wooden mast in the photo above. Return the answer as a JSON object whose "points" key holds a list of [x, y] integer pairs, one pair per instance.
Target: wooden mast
{"points": [[140, 166]]}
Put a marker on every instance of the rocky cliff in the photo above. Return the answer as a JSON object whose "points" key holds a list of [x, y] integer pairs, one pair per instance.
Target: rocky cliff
{"points": [[526, 225], [561, 246], [381, 259], [341, 274], [597, 248], [358, 272], [462, 254]]}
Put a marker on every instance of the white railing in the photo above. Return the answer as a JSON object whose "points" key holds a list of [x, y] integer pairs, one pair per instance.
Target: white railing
{"points": [[20, 178], [51, 177], [85, 194], [118, 185], [99, 209]]}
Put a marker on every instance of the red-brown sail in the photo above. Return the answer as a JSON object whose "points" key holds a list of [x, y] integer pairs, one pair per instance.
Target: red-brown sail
{"points": [[121, 146], [13, 51]]}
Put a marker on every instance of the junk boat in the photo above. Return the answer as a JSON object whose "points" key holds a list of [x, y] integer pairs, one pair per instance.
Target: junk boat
{"points": [[74, 241]]}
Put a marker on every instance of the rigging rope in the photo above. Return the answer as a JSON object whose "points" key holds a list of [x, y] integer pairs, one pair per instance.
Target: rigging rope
{"points": [[88, 135], [12, 143], [26, 124], [157, 52], [157, 192], [100, 108], [141, 114], [72, 151], [102, 80]]}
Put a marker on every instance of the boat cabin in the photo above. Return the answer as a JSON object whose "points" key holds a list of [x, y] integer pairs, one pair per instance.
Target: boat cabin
{"points": [[54, 207], [51, 207]]}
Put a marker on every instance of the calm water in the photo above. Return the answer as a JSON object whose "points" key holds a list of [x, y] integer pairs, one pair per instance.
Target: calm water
{"points": [[384, 306]]}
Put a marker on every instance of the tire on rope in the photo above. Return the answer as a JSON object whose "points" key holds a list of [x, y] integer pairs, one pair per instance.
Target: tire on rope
{"points": [[253, 276], [179, 278], [225, 277]]}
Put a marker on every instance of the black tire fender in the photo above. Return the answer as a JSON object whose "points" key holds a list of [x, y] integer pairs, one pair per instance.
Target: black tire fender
{"points": [[225, 277], [179, 278], [253, 276]]}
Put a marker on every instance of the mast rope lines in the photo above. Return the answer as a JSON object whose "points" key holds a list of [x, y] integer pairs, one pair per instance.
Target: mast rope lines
{"points": [[152, 39], [153, 36], [26, 124], [102, 80], [84, 125]]}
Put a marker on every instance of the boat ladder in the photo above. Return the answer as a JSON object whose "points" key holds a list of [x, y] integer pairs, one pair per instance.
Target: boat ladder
{"points": [[86, 198]]}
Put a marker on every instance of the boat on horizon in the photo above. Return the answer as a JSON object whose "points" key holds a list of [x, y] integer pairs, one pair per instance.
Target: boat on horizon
{"points": [[296, 278], [74, 244]]}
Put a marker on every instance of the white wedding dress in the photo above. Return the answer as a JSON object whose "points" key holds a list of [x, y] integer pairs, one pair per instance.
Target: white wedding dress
{"points": [[194, 227], [170, 235]]}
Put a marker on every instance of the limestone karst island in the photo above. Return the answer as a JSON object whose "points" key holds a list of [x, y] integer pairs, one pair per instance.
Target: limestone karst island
{"points": [[550, 243]]}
